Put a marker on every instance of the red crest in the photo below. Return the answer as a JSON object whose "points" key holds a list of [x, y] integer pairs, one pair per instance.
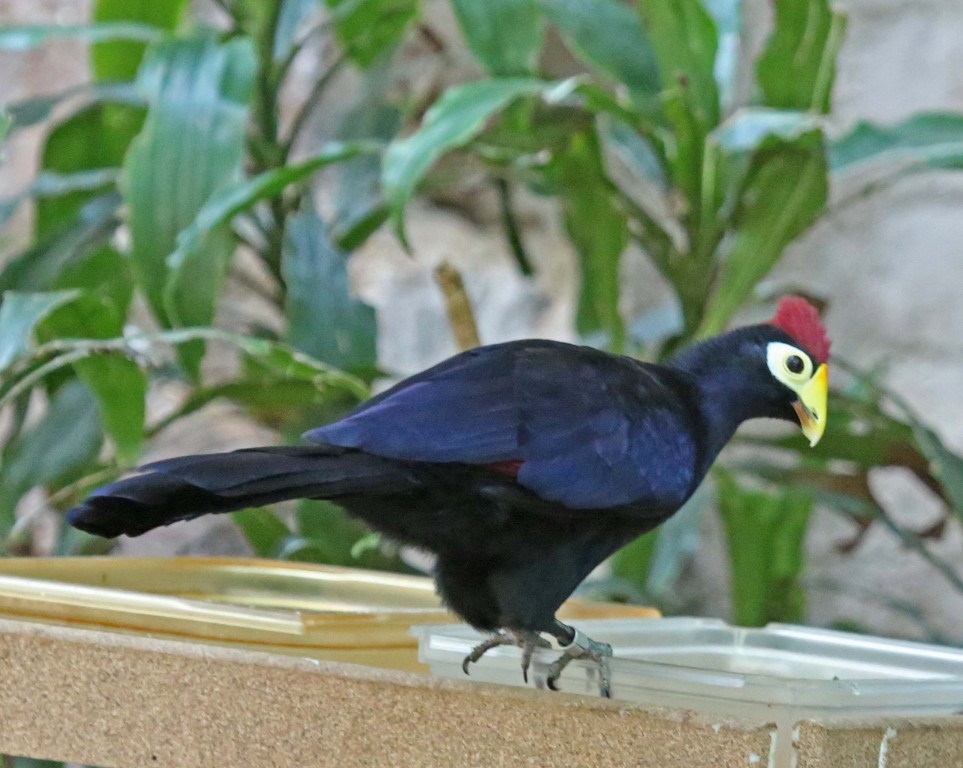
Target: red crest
{"points": [[799, 319]]}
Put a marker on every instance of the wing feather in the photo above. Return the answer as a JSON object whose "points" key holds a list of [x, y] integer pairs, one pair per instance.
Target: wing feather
{"points": [[591, 430]]}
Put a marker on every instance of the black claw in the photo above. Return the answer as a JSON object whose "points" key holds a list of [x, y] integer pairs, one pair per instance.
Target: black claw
{"points": [[551, 684]]}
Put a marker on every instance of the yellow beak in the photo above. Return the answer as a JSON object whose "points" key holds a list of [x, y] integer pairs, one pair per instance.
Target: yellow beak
{"points": [[811, 405]]}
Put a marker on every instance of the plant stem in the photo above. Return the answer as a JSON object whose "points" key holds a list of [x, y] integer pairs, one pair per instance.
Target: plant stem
{"points": [[512, 230], [461, 317]]}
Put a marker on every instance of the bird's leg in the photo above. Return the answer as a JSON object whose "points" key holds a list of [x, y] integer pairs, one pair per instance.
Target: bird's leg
{"points": [[527, 640], [579, 646]]}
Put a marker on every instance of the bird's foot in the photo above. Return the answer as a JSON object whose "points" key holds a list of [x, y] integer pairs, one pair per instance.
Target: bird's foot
{"points": [[527, 640], [580, 646]]}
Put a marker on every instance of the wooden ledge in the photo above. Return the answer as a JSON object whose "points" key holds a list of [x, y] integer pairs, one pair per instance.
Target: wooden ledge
{"points": [[121, 701]]}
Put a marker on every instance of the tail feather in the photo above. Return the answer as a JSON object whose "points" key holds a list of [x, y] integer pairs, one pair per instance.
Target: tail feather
{"points": [[190, 486]]}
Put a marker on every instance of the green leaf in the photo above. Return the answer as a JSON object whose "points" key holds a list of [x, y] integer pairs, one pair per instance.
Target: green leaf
{"points": [[24, 38], [599, 231], [284, 404], [327, 535], [797, 68], [369, 28], [117, 61], [120, 387], [504, 35], [454, 120], [191, 145], [5, 122], [100, 313], [783, 194], [359, 207], [234, 198], [273, 357], [19, 315], [765, 534], [683, 37], [263, 530], [48, 184], [609, 36], [36, 110], [727, 15], [37, 268], [94, 138], [324, 319], [64, 442], [929, 141], [747, 128]]}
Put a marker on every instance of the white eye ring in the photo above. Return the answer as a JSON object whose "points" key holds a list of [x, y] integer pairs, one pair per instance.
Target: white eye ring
{"points": [[779, 357]]}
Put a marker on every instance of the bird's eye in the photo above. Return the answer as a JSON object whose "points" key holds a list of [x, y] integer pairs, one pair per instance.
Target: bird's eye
{"points": [[795, 364]]}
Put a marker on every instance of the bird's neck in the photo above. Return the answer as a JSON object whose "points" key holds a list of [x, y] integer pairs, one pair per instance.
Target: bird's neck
{"points": [[724, 396]]}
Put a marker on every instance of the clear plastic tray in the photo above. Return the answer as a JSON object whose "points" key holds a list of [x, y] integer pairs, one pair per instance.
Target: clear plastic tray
{"points": [[322, 612], [778, 674]]}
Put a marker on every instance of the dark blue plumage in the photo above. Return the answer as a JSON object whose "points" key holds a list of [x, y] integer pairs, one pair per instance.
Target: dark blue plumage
{"points": [[591, 430], [521, 466]]}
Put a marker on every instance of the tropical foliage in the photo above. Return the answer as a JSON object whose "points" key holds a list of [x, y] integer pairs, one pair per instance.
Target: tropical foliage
{"points": [[173, 159]]}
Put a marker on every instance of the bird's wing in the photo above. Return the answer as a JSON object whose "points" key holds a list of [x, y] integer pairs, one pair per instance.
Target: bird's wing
{"points": [[587, 430]]}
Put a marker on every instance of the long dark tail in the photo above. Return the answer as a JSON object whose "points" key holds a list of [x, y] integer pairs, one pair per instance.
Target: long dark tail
{"points": [[191, 486]]}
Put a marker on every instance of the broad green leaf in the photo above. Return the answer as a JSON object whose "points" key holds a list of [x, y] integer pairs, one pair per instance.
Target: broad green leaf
{"points": [[92, 139], [634, 151], [608, 35], [271, 356], [727, 15], [24, 38], [454, 120], [368, 28], [797, 68], [19, 315], [263, 530], [928, 141], [36, 110], [66, 440], [599, 231], [119, 385], [324, 319], [192, 144], [783, 194], [117, 61], [654, 562], [327, 535], [765, 534], [504, 35], [747, 128], [290, 406], [240, 195], [358, 201], [48, 184], [37, 268], [684, 39]]}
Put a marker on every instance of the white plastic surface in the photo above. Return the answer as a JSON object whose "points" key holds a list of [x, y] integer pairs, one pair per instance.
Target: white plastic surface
{"points": [[778, 674]]}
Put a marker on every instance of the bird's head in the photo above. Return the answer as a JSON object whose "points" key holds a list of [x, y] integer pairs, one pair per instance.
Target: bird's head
{"points": [[798, 364], [776, 370]]}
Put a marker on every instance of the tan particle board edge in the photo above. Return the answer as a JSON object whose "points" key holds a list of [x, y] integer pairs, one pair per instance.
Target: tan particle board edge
{"points": [[115, 700]]}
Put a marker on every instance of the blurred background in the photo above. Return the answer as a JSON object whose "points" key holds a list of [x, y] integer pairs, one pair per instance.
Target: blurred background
{"points": [[223, 223]]}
